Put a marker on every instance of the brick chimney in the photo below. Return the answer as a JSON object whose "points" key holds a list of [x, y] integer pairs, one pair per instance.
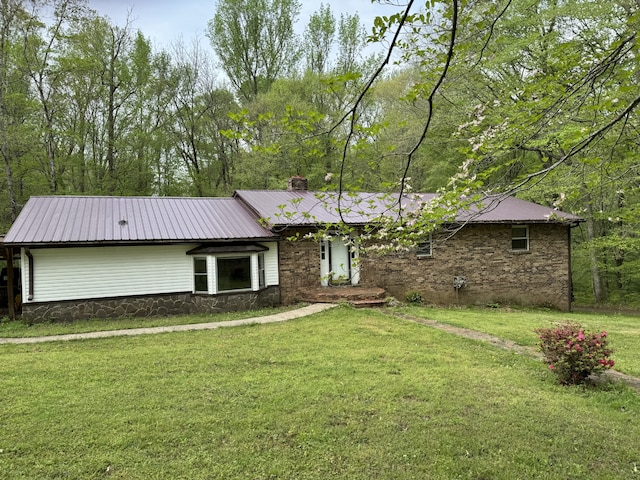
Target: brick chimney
{"points": [[297, 183]]}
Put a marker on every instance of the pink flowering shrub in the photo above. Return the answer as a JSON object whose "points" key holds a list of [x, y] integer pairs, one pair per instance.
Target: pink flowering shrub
{"points": [[573, 354]]}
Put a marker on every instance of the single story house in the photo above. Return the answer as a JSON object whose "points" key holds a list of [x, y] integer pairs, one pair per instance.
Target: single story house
{"points": [[84, 257]]}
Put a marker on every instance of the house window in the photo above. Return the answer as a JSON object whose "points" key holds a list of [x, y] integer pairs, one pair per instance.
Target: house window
{"points": [[233, 273], [424, 248], [200, 275], [262, 282], [520, 238], [229, 267]]}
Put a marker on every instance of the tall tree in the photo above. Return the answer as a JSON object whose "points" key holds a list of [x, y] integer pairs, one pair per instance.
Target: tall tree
{"points": [[43, 48], [255, 42], [8, 14], [110, 79], [16, 133], [201, 113], [290, 127], [318, 40]]}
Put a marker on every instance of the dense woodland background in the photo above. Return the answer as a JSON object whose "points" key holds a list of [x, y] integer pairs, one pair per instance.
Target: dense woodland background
{"points": [[533, 98]]}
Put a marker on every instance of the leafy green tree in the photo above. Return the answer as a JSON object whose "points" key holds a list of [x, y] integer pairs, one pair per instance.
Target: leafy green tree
{"points": [[294, 128], [17, 132], [536, 89], [201, 114], [560, 76], [111, 126], [255, 42], [319, 39]]}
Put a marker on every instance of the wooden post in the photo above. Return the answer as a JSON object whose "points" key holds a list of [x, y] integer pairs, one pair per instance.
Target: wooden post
{"points": [[11, 295]]}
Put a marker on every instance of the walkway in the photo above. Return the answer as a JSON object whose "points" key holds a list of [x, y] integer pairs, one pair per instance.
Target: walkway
{"points": [[633, 382], [276, 317]]}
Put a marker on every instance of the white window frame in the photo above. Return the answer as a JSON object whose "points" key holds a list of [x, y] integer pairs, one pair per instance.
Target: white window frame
{"points": [[422, 247], [205, 274], [258, 277], [520, 238], [262, 273]]}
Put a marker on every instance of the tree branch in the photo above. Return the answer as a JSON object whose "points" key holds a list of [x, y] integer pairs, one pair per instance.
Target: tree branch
{"points": [[578, 147]]}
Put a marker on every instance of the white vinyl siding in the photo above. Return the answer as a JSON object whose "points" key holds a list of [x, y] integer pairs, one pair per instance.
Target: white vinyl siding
{"points": [[102, 272]]}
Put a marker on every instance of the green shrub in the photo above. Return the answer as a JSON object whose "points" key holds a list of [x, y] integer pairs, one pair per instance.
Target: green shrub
{"points": [[573, 354], [414, 297]]}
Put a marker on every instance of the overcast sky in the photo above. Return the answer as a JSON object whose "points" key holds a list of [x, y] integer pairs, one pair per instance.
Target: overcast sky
{"points": [[163, 21]]}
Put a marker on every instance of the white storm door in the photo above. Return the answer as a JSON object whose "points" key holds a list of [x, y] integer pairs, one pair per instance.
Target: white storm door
{"points": [[338, 263]]}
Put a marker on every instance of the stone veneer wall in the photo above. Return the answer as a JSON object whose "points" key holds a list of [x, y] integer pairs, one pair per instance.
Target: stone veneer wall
{"points": [[149, 305], [480, 253]]}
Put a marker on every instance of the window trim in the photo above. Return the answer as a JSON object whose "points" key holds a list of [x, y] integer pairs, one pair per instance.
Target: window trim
{"points": [[258, 277], [526, 238], [204, 274], [422, 245], [262, 272]]}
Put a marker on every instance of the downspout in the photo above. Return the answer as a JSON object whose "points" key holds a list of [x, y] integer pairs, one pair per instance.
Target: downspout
{"points": [[27, 252]]}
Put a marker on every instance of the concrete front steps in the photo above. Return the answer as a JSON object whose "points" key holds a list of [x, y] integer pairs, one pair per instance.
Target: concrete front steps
{"points": [[359, 297]]}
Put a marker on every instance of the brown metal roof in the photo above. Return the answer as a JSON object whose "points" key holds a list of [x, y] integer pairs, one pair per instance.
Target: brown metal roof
{"points": [[301, 207], [76, 220], [84, 220], [506, 209], [288, 208]]}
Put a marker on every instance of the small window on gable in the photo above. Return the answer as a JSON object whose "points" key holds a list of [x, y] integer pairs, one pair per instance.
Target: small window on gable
{"points": [[520, 238], [425, 247]]}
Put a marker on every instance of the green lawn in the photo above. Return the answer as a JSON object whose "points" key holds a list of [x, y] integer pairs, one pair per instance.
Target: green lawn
{"points": [[353, 394], [519, 326]]}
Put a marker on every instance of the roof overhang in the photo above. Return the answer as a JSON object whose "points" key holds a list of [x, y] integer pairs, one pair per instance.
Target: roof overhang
{"points": [[233, 247], [130, 243]]}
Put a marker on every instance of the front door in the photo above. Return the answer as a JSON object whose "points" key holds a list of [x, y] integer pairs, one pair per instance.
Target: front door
{"points": [[338, 263]]}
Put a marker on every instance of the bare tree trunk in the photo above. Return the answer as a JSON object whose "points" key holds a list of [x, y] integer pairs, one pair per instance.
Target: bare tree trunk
{"points": [[111, 164], [599, 293], [618, 252], [596, 278]]}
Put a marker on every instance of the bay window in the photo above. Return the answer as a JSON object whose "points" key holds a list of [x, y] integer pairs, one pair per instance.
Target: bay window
{"points": [[228, 268]]}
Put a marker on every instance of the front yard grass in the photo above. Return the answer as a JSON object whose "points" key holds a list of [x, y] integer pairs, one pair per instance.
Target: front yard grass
{"points": [[519, 325], [353, 394]]}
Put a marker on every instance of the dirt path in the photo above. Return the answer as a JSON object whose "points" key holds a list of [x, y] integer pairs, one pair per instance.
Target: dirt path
{"points": [[633, 382]]}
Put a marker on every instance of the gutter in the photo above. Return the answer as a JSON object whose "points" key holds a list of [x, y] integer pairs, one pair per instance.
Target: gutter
{"points": [[29, 255]]}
